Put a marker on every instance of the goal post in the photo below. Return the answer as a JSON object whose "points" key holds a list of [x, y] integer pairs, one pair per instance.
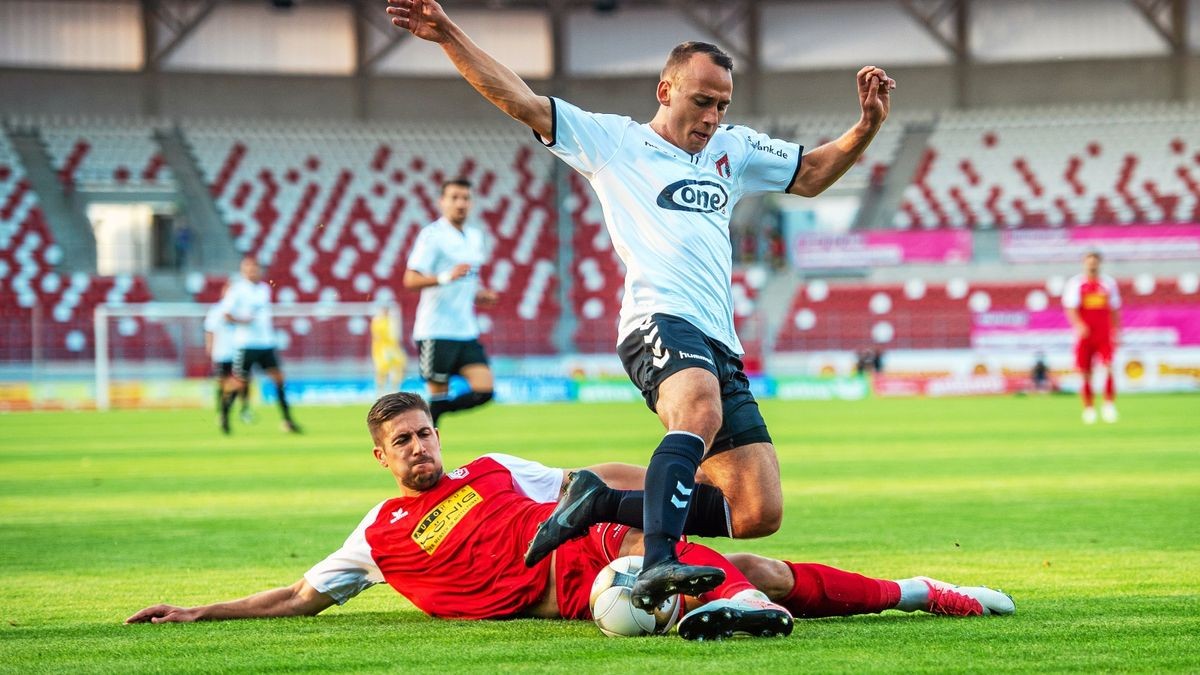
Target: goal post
{"points": [[160, 342]]}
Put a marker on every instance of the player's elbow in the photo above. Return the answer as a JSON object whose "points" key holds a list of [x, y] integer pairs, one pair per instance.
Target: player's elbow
{"points": [[535, 112], [811, 181], [806, 190], [411, 281]]}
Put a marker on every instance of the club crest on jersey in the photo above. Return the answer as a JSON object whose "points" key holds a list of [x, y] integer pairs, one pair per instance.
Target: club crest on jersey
{"points": [[723, 168], [458, 474], [696, 196]]}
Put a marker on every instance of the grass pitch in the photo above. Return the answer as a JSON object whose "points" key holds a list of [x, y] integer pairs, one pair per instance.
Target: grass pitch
{"points": [[1094, 530]]}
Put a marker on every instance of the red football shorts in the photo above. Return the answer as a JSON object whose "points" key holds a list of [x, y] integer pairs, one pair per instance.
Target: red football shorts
{"points": [[1086, 351], [577, 562]]}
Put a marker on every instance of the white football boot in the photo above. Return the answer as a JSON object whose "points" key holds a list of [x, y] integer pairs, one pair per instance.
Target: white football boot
{"points": [[950, 600]]}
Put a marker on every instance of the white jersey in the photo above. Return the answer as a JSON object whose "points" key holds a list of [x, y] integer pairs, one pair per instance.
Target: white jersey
{"points": [[222, 335], [247, 300], [668, 212], [447, 312]]}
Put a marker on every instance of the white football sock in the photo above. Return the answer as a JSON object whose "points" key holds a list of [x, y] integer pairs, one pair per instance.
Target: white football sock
{"points": [[914, 595]]}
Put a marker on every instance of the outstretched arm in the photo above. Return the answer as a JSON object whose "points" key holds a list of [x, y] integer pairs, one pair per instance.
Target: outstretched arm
{"points": [[822, 166], [299, 599], [497, 83]]}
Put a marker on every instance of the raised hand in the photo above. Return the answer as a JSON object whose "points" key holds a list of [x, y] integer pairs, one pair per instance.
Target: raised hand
{"points": [[875, 94], [423, 18]]}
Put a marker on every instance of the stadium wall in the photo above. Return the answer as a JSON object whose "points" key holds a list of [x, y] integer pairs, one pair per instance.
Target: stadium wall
{"points": [[43, 92]]}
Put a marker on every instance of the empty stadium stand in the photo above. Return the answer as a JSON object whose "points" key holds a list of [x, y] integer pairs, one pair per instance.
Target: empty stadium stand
{"points": [[1058, 167], [920, 315], [334, 210], [44, 313], [106, 154]]}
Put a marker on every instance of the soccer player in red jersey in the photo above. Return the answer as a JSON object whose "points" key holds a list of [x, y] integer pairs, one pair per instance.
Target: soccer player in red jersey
{"points": [[453, 544], [1092, 302]]}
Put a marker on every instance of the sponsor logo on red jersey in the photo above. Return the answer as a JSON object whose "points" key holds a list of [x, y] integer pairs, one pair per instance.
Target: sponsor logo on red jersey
{"points": [[441, 519]]}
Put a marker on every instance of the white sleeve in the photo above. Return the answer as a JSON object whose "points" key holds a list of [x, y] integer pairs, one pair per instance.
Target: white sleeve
{"points": [[350, 570], [213, 319], [1070, 296], [539, 482], [424, 255], [1114, 293], [585, 141], [770, 165]]}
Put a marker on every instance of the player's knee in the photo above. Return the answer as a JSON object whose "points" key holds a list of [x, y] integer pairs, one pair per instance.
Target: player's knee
{"points": [[760, 519], [769, 576], [704, 420]]}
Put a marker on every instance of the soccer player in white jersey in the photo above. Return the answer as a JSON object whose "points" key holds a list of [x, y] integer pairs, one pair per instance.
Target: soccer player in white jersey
{"points": [[667, 189], [218, 344], [444, 266], [451, 544], [247, 306]]}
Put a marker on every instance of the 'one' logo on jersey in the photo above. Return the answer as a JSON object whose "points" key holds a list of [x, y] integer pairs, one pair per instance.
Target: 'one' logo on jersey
{"points": [[696, 196]]}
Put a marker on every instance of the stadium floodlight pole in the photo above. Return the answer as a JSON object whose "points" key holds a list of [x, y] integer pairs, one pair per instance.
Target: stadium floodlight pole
{"points": [[100, 330]]}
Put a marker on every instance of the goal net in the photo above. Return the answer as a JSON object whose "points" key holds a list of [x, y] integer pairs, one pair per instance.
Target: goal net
{"points": [[155, 351]]}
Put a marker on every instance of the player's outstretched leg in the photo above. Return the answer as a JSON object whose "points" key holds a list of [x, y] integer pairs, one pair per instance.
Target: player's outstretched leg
{"points": [[813, 591], [588, 500]]}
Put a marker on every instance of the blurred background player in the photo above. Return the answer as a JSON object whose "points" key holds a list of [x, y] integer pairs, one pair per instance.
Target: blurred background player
{"points": [[444, 266], [218, 344], [386, 352], [1092, 302], [247, 305]]}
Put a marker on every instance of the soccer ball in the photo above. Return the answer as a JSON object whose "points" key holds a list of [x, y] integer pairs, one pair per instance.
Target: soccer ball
{"points": [[612, 606]]}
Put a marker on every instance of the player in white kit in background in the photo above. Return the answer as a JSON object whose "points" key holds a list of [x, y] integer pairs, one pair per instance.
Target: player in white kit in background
{"points": [[218, 344], [247, 305], [667, 189], [444, 266]]}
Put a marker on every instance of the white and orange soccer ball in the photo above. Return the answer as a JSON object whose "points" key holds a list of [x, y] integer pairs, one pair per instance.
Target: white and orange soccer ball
{"points": [[612, 607]]}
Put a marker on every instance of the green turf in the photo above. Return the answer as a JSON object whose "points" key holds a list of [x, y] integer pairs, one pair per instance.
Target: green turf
{"points": [[1094, 530]]}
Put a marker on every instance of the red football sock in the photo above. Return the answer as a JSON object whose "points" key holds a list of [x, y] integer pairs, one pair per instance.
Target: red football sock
{"points": [[1086, 390], [822, 591], [735, 581], [1110, 391]]}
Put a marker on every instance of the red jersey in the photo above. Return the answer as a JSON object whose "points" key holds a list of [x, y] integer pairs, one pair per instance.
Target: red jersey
{"points": [[457, 550], [1095, 299]]}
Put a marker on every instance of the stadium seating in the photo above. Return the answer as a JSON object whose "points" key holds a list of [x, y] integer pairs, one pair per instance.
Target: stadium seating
{"points": [[1057, 167], [106, 154], [812, 131], [34, 296], [334, 210], [920, 315]]}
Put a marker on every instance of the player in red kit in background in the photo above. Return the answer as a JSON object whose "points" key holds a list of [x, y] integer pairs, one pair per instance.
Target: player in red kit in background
{"points": [[1092, 303]]}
